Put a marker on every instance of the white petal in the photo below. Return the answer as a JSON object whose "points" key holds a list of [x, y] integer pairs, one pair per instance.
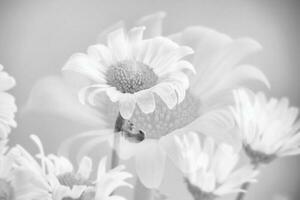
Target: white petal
{"points": [[170, 58], [118, 43], [102, 38], [153, 24], [85, 65], [113, 94], [101, 53], [61, 100], [150, 163], [127, 149], [85, 168], [6, 81], [135, 35], [179, 66], [174, 151], [167, 93], [145, 101], [127, 105]]}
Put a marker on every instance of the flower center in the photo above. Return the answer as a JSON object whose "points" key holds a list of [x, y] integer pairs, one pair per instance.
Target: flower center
{"points": [[70, 179], [6, 191], [164, 120], [258, 157], [131, 76], [197, 193]]}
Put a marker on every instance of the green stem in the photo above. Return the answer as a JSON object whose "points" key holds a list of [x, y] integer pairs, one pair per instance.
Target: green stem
{"points": [[114, 155], [245, 187]]}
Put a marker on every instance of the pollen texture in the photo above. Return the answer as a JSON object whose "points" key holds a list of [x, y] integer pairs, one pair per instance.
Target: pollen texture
{"points": [[131, 76]]}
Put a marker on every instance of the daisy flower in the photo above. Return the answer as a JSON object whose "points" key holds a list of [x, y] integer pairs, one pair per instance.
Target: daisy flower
{"points": [[209, 168], [130, 70], [7, 104], [58, 180], [268, 128], [217, 59], [17, 183]]}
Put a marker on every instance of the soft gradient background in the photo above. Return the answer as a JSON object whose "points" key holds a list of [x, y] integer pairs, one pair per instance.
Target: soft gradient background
{"points": [[37, 36]]}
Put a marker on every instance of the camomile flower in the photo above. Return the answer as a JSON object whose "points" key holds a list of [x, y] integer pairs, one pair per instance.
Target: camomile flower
{"points": [[59, 181], [209, 168], [17, 183], [217, 59], [131, 70], [268, 128], [7, 104]]}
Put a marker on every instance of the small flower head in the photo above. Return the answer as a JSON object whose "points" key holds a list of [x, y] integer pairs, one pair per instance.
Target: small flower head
{"points": [[269, 128], [55, 178], [7, 104], [130, 70], [209, 168]]}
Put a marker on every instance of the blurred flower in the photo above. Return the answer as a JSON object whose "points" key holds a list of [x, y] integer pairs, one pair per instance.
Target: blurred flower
{"points": [[17, 183], [269, 129], [131, 70], [217, 60], [57, 179], [7, 104], [209, 169]]}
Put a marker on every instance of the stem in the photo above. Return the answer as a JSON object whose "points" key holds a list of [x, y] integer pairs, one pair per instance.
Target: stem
{"points": [[245, 186], [141, 192], [114, 155]]}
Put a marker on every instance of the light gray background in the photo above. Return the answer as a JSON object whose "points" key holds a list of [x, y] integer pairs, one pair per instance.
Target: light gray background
{"points": [[37, 36]]}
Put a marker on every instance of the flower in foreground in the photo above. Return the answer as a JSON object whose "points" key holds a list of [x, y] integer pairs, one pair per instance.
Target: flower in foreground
{"points": [[216, 59], [58, 180], [209, 168], [7, 104], [130, 70], [268, 128]]}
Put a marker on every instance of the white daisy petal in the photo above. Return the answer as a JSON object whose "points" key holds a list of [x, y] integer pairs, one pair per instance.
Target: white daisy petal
{"points": [[101, 53], [145, 101], [127, 105], [135, 35], [118, 44], [153, 24], [81, 63], [150, 163], [85, 168], [167, 93]]}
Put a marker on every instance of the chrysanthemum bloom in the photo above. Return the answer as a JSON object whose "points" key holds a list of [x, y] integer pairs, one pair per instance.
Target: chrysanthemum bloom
{"points": [[209, 168], [17, 183], [217, 60], [268, 128], [131, 70], [7, 104], [58, 181]]}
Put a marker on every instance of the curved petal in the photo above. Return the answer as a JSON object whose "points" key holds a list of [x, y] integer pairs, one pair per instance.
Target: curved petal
{"points": [[102, 38], [170, 146], [6, 81], [167, 93], [153, 24], [145, 100], [150, 163], [62, 100], [135, 34], [85, 168], [85, 65], [117, 41], [127, 105], [101, 53]]}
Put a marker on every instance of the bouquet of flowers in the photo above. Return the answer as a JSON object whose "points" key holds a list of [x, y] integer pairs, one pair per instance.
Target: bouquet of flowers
{"points": [[183, 97]]}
